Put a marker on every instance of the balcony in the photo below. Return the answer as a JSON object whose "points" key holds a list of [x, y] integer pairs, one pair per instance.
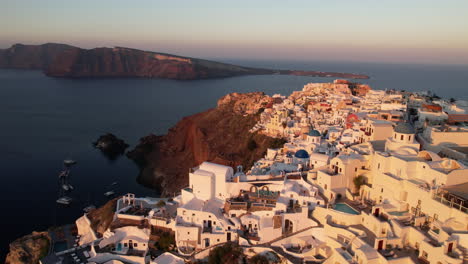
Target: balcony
{"points": [[441, 199]]}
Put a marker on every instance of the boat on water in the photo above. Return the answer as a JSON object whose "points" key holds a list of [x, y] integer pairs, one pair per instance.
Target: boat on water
{"points": [[113, 183], [109, 193], [64, 173], [67, 187], [69, 162], [89, 208], [64, 200]]}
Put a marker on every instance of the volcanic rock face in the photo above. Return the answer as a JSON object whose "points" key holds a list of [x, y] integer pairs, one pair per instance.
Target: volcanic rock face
{"points": [[59, 60], [29, 249], [102, 217], [218, 135], [111, 146], [37, 57]]}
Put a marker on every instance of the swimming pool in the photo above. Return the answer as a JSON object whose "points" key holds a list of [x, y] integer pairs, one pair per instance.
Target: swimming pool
{"points": [[345, 208], [399, 213]]}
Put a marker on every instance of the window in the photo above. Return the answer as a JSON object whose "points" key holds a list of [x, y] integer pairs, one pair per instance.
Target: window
{"points": [[135, 245], [125, 245], [193, 214], [183, 212], [401, 138], [188, 233], [217, 239], [355, 169], [409, 138], [378, 166], [381, 190], [325, 187], [424, 254]]}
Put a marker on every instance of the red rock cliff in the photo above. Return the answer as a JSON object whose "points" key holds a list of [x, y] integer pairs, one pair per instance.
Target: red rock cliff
{"points": [[219, 135]]}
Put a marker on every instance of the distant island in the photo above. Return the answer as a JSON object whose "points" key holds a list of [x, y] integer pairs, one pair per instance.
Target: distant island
{"points": [[61, 60]]}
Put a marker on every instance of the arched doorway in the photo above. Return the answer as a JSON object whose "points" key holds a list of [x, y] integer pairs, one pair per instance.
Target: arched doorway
{"points": [[288, 226]]}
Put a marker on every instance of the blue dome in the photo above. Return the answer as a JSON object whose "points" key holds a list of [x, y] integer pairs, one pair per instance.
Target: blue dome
{"points": [[314, 133], [301, 154]]}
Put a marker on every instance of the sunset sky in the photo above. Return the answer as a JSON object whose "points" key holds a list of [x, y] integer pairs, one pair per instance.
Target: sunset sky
{"points": [[383, 31]]}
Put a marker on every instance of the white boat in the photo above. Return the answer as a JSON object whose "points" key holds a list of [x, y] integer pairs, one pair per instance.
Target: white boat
{"points": [[69, 162], [64, 200], [64, 173], [109, 193], [65, 187]]}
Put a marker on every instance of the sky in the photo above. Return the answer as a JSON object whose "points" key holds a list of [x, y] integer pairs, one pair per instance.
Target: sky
{"points": [[416, 31]]}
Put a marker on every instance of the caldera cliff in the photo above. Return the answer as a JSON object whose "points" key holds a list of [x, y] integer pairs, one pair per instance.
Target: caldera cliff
{"points": [[60, 60], [218, 135]]}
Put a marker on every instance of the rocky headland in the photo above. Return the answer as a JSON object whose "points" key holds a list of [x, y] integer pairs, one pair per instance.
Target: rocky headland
{"points": [[218, 135], [111, 146], [60, 60]]}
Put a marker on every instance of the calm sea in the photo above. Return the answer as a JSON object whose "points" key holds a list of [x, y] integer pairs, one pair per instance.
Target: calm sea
{"points": [[45, 120]]}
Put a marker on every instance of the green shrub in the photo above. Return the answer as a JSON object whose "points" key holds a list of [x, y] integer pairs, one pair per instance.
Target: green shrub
{"points": [[229, 253], [258, 259]]}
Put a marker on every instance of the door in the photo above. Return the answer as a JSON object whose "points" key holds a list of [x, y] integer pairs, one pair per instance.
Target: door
{"points": [[207, 242], [130, 244], [228, 236], [450, 247], [377, 212], [380, 246], [209, 223]]}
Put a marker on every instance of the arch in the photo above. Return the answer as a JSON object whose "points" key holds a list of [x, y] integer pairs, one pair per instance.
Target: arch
{"points": [[429, 155], [288, 226], [265, 188], [255, 189]]}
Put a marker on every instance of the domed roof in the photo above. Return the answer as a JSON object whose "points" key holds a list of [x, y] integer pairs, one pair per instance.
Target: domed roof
{"points": [[301, 154], [404, 128], [314, 133]]}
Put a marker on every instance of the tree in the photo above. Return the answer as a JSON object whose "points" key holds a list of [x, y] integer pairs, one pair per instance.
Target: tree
{"points": [[277, 143], [452, 100], [228, 253], [161, 203], [258, 259], [166, 241], [358, 182]]}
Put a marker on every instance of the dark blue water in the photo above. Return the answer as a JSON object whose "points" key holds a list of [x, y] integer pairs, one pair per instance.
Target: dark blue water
{"points": [[45, 120]]}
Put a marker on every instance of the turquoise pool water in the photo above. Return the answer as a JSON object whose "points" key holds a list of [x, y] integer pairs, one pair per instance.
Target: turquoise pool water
{"points": [[60, 246], [398, 213], [345, 208]]}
